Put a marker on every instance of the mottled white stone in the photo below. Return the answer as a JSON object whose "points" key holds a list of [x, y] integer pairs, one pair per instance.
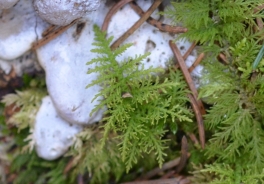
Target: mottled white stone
{"points": [[19, 27], [5, 4], [64, 60], [27, 63], [63, 12], [52, 135], [145, 39]]}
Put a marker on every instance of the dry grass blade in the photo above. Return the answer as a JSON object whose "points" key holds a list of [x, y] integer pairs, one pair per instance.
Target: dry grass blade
{"points": [[136, 25], [156, 23]]}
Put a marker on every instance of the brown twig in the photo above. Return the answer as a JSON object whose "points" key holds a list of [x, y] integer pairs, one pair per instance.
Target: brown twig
{"points": [[184, 155], [199, 119], [160, 181], [136, 25], [112, 11], [187, 75], [156, 23], [196, 62], [52, 35]]}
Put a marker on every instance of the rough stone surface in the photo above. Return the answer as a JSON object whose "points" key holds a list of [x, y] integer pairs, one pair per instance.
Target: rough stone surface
{"points": [[63, 12], [145, 39], [52, 135], [64, 60], [19, 27], [27, 63], [5, 4]]}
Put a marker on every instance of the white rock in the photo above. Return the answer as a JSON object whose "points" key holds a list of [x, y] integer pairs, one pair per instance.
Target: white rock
{"points": [[64, 60], [63, 12], [52, 135], [19, 27], [5, 4], [27, 63], [145, 39]]}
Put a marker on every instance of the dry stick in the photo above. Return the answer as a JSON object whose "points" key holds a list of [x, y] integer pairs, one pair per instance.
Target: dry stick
{"points": [[136, 25], [196, 62], [199, 119], [184, 155], [156, 23], [198, 106], [112, 11], [160, 181], [52, 35], [186, 74]]}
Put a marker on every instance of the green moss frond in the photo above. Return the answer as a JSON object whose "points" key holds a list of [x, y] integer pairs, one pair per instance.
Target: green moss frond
{"points": [[139, 103]]}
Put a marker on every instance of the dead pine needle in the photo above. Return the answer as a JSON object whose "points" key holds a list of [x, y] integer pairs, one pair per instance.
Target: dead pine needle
{"points": [[186, 75], [197, 105], [196, 62], [111, 12], [159, 181], [154, 172], [187, 53], [184, 155], [199, 120], [156, 23], [136, 25], [51, 35]]}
